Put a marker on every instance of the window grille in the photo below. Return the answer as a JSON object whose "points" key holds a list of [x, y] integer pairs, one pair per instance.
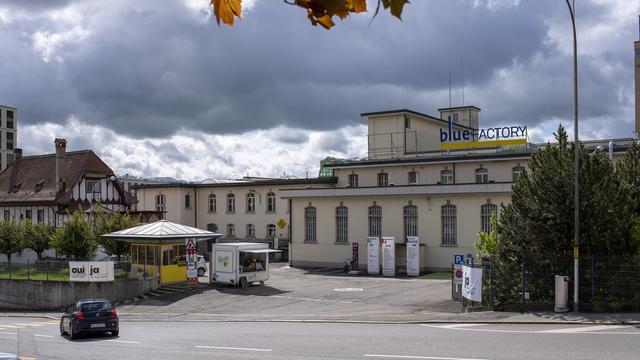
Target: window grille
{"points": [[375, 220], [486, 211], [342, 224], [310, 224], [449, 225], [410, 220]]}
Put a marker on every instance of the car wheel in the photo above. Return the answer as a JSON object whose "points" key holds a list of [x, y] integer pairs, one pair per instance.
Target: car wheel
{"points": [[200, 272], [72, 334], [62, 332], [115, 333]]}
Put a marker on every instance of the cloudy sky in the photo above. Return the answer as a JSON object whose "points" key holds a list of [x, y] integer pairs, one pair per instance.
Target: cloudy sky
{"points": [[158, 89]]}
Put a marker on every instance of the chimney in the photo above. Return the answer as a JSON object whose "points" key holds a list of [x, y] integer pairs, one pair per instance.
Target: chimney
{"points": [[61, 151], [17, 153]]}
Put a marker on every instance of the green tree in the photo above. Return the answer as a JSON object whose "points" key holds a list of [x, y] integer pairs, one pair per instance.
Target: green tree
{"points": [[37, 237], [11, 238], [74, 240], [105, 222], [487, 243]]}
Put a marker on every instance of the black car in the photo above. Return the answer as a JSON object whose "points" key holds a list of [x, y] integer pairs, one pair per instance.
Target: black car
{"points": [[89, 316]]}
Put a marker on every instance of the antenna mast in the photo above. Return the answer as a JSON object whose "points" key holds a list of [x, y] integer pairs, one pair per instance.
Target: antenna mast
{"points": [[462, 77], [449, 89]]}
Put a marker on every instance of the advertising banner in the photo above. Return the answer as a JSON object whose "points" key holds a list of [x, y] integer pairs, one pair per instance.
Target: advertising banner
{"points": [[223, 261], [413, 256], [373, 255], [472, 283], [388, 256], [91, 271]]}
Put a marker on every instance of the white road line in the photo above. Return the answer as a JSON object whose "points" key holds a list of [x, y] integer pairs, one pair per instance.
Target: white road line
{"points": [[231, 348], [124, 341], [8, 333], [543, 332], [455, 326], [585, 329], [417, 357], [45, 336], [311, 299]]}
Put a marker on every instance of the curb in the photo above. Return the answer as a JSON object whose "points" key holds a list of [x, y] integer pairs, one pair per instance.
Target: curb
{"points": [[26, 315], [388, 322]]}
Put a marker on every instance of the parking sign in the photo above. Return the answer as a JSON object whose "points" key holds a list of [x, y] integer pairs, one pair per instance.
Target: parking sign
{"points": [[458, 259]]}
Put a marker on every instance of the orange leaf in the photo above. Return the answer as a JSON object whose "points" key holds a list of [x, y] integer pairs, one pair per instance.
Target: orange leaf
{"points": [[225, 10]]}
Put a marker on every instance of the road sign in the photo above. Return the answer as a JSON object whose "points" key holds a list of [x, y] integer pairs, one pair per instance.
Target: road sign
{"points": [[458, 259], [457, 274], [281, 223], [190, 244]]}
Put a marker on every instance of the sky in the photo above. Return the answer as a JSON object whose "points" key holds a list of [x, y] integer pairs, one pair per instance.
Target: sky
{"points": [[157, 88]]}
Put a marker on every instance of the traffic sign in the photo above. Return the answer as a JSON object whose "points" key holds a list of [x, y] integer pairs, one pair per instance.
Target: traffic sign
{"points": [[190, 244], [458, 259], [281, 223]]}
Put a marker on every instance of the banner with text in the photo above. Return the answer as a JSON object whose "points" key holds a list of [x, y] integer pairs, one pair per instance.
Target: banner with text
{"points": [[472, 283], [91, 271], [413, 256], [388, 256], [373, 255]]}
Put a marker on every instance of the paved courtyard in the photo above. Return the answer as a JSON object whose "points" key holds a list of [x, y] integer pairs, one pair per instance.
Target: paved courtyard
{"points": [[296, 294]]}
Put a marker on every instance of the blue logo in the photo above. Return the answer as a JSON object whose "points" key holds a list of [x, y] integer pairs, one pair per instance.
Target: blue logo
{"points": [[488, 134], [458, 259]]}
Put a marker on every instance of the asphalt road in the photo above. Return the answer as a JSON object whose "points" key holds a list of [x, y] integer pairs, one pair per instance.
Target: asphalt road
{"points": [[38, 338]]}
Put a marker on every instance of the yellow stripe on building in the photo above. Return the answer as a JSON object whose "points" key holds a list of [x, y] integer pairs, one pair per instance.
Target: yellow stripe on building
{"points": [[473, 144]]}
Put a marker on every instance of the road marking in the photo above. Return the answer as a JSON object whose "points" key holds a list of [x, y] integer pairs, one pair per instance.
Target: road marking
{"points": [[8, 333], [584, 329], [347, 289], [45, 336], [124, 341], [311, 299], [590, 331], [455, 326], [231, 348], [417, 357]]}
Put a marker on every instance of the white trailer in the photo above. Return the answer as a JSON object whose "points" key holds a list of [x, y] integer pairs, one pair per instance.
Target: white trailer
{"points": [[239, 264]]}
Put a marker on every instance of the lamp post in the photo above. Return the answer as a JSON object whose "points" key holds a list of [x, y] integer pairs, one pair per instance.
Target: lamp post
{"points": [[576, 225]]}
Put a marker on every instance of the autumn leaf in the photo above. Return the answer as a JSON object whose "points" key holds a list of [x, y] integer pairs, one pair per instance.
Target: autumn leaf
{"points": [[396, 6], [225, 10]]}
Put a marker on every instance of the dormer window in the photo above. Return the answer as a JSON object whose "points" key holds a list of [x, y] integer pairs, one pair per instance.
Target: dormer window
{"points": [[16, 187], [39, 185]]}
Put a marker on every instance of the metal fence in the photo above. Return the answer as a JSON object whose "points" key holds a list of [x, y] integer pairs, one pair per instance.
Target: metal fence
{"points": [[606, 283], [51, 270]]}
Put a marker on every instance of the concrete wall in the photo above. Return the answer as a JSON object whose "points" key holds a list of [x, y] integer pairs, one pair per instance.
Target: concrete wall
{"points": [[55, 295]]}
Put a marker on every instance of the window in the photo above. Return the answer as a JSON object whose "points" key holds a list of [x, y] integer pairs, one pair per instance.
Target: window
{"points": [[160, 203], [446, 176], [231, 203], [10, 158], [251, 202], [353, 180], [449, 225], [7, 215], [92, 186], [10, 119], [88, 186], [414, 177], [231, 230], [383, 179], [410, 221], [27, 214], [516, 172], [187, 201], [485, 216], [342, 224], [310, 224], [212, 203], [271, 230], [482, 176], [455, 118], [271, 202], [40, 216], [9, 140], [212, 227], [407, 122], [375, 220], [251, 231]]}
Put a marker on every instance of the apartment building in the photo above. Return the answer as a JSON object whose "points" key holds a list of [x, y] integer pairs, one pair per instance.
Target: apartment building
{"points": [[8, 135]]}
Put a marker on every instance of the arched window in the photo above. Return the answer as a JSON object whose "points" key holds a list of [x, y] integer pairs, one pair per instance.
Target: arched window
{"points": [[271, 231], [212, 203], [251, 202], [251, 231], [271, 202], [342, 224], [383, 179], [446, 176], [375, 220], [231, 203], [310, 224], [231, 230], [449, 225], [410, 221], [482, 176], [486, 211], [516, 172]]}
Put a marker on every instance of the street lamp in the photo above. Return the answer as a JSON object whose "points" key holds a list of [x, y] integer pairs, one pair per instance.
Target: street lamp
{"points": [[576, 185]]}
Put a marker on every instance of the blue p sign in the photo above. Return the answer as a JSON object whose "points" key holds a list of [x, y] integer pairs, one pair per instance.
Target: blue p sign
{"points": [[458, 259]]}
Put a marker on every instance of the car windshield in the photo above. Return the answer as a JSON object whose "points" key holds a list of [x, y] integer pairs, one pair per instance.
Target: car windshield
{"points": [[96, 306]]}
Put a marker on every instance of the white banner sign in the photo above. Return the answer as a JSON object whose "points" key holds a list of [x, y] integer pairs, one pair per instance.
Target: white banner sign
{"points": [[93, 271], [388, 256], [373, 255], [413, 256], [472, 283]]}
